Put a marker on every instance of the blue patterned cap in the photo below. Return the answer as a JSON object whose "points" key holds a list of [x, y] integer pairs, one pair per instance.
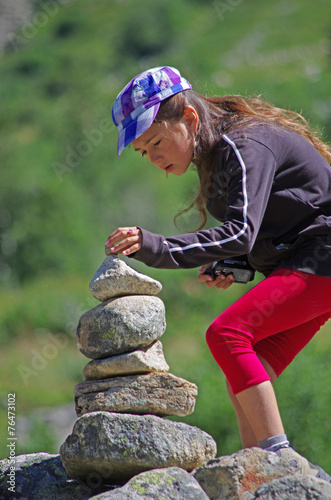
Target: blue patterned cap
{"points": [[136, 107]]}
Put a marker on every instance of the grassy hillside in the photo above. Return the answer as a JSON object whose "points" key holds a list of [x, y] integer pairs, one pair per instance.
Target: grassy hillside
{"points": [[63, 190]]}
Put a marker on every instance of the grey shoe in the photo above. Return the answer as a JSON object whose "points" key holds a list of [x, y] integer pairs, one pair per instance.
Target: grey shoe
{"points": [[302, 465]]}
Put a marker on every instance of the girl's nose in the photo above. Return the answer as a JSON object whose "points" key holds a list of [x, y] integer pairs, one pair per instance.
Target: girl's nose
{"points": [[156, 159]]}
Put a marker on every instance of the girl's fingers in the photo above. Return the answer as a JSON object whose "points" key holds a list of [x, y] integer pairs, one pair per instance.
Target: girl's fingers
{"points": [[220, 282], [134, 248], [120, 233], [224, 281], [125, 245], [203, 277], [204, 268], [125, 240]]}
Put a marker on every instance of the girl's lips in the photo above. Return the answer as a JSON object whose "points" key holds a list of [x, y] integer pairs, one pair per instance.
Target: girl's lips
{"points": [[169, 168]]}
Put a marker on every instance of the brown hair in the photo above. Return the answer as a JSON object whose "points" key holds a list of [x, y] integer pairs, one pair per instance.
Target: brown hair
{"points": [[219, 115]]}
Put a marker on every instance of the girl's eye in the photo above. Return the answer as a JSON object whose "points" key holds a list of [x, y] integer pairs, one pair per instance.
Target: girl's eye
{"points": [[155, 144]]}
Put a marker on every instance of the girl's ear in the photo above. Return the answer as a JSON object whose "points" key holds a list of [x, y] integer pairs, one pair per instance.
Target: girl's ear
{"points": [[191, 118]]}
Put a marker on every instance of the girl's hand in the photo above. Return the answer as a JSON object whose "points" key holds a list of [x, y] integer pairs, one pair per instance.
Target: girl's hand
{"points": [[129, 241], [221, 281]]}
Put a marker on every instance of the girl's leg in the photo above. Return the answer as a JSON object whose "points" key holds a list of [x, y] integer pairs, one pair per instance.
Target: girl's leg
{"points": [[281, 302], [247, 435], [260, 407], [275, 441]]}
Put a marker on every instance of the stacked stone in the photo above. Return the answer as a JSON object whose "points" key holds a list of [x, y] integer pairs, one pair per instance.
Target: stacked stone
{"points": [[127, 386]]}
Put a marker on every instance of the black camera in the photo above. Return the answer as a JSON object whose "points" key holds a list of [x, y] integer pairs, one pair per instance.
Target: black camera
{"points": [[241, 270]]}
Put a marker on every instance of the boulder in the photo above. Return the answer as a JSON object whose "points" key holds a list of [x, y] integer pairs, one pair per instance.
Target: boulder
{"points": [[115, 278], [298, 486], [238, 475], [114, 447], [150, 359], [158, 484], [121, 325], [161, 394], [41, 476]]}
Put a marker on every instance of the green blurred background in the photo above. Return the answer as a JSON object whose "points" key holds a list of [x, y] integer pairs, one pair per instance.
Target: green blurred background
{"points": [[63, 190]]}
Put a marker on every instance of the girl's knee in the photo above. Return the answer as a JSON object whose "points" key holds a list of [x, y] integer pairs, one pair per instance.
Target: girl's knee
{"points": [[210, 335], [224, 339], [221, 331], [214, 334]]}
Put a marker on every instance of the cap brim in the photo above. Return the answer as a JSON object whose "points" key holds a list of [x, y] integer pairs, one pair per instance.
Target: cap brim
{"points": [[137, 127]]}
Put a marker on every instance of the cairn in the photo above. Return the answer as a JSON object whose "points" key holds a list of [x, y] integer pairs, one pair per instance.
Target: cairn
{"points": [[128, 390]]}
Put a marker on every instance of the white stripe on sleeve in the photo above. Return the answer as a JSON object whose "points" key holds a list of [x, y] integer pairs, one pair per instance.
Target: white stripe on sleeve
{"points": [[244, 190]]}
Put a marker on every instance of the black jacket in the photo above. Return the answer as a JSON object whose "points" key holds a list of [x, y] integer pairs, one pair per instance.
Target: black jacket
{"points": [[272, 193]]}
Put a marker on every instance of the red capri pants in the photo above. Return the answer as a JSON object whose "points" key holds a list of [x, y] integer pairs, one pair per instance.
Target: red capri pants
{"points": [[275, 320]]}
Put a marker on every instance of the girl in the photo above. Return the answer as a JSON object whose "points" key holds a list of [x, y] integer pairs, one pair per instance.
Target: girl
{"points": [[266, 177]]}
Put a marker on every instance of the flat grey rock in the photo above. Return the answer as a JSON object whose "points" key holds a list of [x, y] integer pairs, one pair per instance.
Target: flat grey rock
{"points": [[115, 278], [121, 325], [156, 393], [150, 359], [158, 484], [114, 447]]}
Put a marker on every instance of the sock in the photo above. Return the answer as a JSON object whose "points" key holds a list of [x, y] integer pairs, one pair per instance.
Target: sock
{"points": [[274, 443]]}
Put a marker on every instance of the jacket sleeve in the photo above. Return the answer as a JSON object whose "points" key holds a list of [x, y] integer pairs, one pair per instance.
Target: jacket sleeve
{"points": [[250, 168]]}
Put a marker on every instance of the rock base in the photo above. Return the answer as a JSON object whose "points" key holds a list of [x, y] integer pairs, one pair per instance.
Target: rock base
{"points": [[41, 476], [115, 447], [159, 484]]}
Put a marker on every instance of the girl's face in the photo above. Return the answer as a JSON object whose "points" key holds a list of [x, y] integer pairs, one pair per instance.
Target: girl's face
{"points": [[169, 146]]}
